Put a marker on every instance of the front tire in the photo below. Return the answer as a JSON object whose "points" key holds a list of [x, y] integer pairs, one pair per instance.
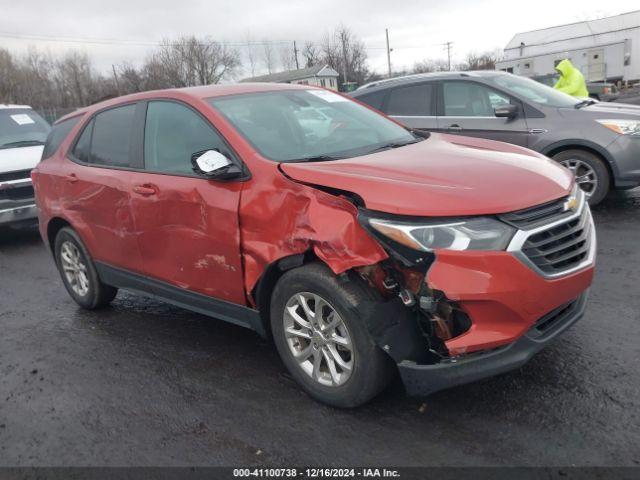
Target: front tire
{"points": [[590, 172], [78, 272], [323, 342]]}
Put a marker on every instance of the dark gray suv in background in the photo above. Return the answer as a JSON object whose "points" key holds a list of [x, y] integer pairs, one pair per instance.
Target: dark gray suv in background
{"points": [[599, 142]]}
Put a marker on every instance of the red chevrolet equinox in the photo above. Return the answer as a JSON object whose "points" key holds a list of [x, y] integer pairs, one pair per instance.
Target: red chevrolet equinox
{"points": [[362, 248]]}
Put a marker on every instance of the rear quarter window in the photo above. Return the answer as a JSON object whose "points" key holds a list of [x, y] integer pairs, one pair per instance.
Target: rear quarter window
{"points": [[111, 136], [58, 133], [411, 101], [374, 99]]}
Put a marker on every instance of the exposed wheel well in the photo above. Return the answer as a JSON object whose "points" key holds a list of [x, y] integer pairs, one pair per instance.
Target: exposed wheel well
{"points": [[264, 288], [54, 226], [584, 148]]}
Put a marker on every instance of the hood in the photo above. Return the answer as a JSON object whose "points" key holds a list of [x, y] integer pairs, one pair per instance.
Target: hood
{"points": [[613, 110], [445, 175], [23, 158], [565, 67]]}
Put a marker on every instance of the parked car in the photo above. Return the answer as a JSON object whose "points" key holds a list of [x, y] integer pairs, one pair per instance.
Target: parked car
{"points": [[598, 142], [22, 136], [601, 91], [362, 250]]}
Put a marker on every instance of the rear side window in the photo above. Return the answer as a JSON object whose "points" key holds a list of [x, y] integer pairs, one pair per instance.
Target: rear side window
{"points": [[58, 133], [172, 134], [82, 150], [111, 137], [374, 99], [411, 101]]}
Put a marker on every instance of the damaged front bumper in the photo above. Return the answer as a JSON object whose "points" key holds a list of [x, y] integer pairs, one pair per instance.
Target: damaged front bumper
{"points": [[421, 380]]}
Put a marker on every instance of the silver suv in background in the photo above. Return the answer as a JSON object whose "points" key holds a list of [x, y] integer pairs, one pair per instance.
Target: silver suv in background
{"points": [[22, 136], [598, 141]]}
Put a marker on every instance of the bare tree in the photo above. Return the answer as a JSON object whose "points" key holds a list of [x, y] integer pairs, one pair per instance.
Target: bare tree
{"points": [[269, 56], [73, 77], [430, 65], [131, 80], [252, 55], [481, 61], [287, 57], [8, 77], [37, 86], [188, 61], [346, 54], [311, 54]]}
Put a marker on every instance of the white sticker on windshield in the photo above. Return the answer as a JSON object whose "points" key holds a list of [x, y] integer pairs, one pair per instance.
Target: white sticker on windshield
{"points": [[22, 119], [328, 96]]}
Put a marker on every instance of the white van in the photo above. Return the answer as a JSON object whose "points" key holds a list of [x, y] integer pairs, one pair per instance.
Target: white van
{"points": [[22, 136]]}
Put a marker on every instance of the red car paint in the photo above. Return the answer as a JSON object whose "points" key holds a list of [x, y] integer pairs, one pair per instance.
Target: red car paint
{"points": [[445, 176], [218, 238], [503, 296]]}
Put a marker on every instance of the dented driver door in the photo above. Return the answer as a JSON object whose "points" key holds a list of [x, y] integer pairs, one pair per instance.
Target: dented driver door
{"points": [[187, 225]]}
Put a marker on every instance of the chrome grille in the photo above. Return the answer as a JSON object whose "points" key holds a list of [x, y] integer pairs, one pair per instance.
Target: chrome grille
{"points": [[561, 247], [538, 215], [18, 193], [16, 175], [564, 243]]}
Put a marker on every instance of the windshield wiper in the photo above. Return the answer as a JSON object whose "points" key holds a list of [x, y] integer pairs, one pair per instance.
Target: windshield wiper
{"points": [[584, 103], [390, 145], [316, 158], [22, 143]]}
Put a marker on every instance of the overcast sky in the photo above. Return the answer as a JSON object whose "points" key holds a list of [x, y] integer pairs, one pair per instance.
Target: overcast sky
{"points": [[126, 29]]}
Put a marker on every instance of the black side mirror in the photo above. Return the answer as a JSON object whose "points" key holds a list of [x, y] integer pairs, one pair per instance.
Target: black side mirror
{"points": [[506, 111], [215, 165]]}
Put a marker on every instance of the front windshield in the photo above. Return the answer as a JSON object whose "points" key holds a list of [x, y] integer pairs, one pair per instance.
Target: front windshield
{"points": [[21, 127], [295, 125], [533, 91]]}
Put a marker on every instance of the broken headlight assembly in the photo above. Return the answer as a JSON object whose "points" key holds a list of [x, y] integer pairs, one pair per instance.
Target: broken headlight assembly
{"points": [[413, 242], [478, 233]]}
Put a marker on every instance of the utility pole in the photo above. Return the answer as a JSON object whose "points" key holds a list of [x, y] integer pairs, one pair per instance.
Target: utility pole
{"points": [[295, 54], [344, 63], [386, 31], [115, 77], [448, 47]]}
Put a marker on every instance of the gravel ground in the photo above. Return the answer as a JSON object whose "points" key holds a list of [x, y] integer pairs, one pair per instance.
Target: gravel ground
{"points": [[144, 383]]}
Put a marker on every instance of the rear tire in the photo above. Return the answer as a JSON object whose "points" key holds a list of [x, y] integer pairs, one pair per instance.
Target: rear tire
{"points": [[590, 173], [78, 272], [368, 370]]}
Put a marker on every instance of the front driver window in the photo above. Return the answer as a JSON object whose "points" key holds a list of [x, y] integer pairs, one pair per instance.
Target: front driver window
{"points": [[172, 134], [469, 99]]}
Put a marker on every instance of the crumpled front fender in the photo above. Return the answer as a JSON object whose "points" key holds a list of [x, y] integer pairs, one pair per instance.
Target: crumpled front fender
{"points": [[280, 217]]}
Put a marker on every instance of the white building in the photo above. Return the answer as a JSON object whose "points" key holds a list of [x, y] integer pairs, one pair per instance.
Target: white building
{"points": [[318, 75], [603, 49]]}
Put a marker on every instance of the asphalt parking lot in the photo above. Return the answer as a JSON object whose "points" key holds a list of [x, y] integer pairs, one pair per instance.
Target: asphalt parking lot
{"points": [[144, 383]]}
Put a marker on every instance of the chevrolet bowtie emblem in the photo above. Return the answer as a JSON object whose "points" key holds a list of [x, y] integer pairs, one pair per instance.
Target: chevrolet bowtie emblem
{"points": [[571, 204]]}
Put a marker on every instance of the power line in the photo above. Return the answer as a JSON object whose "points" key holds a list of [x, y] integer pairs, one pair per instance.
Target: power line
{"points": [[116, 41], [150, 43]]}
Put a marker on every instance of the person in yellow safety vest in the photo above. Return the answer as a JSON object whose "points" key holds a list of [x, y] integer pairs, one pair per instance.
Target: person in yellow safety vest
{"points": [[571, 80]]}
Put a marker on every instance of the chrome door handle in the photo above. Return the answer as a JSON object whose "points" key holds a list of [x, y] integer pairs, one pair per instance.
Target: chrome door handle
{"points": [[538, 130], [454, 127]]}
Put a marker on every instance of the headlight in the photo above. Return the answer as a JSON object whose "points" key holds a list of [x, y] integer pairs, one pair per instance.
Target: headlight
{"points": [[623, 127], [473, 234]]}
